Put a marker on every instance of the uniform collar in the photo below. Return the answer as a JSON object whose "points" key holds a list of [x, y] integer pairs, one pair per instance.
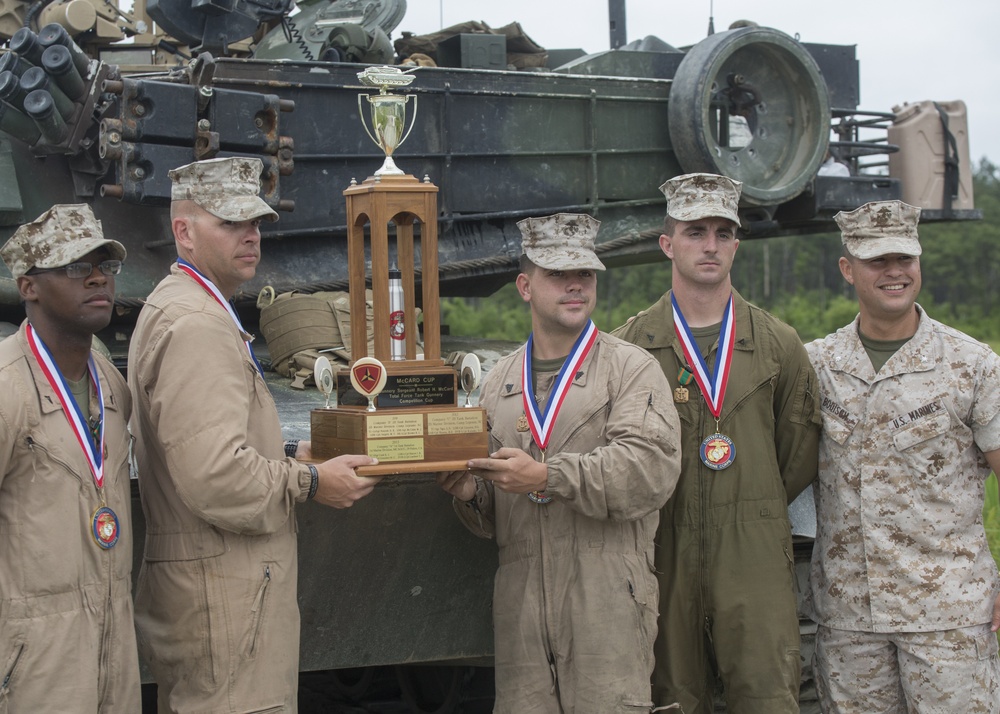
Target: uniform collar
{"points": [[919, 354], [656, 331], [511, 384], [48, 399]]}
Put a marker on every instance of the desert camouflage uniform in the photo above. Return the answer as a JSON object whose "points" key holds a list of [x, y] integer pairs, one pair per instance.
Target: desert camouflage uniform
{"points": [[901, 560]]}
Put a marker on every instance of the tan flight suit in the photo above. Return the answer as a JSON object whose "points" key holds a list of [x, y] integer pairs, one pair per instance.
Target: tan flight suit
{"points": [[67, 642], [216, 603], [574, 605]]}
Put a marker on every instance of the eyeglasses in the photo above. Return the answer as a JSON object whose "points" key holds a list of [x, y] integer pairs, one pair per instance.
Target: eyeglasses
{"points": [[78, 271]]}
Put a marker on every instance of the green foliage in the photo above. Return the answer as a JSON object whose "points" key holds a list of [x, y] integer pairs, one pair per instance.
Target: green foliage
{"points": [[991, 516]]}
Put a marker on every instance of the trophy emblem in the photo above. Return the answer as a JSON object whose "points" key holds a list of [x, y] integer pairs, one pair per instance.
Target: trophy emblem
{"points": [[388, 112], [368, 377]]}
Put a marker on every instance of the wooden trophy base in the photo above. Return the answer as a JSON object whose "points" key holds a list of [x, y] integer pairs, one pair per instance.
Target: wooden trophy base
{"points": [[425, 439]]}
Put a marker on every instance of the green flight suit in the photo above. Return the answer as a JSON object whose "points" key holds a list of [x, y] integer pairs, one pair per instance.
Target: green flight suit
{"points": [[724, 546]]}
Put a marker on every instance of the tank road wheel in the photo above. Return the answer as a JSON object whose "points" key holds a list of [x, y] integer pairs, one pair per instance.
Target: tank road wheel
{"points": [[431, 689], [751, 104]]}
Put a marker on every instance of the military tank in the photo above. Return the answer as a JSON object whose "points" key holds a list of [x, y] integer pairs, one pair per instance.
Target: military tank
{"points": [[118, 97]]}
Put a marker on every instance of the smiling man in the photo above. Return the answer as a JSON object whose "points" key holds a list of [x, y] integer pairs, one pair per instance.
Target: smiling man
{"points": [[216, 604], [905, 591], [67, 641], [585, 451], [745, 394]]}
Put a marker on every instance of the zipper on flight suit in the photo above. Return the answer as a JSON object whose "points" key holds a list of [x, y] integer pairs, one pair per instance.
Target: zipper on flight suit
{"points": [[5, 686], [257, 612], [32, 444]]}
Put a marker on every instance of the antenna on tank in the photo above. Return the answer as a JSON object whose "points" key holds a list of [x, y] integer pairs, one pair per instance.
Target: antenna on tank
{"points": [[711, 17]]}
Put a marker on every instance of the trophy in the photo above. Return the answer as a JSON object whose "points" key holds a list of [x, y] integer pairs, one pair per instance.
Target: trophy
{"points": [[323, 374], [388, 112], [397, 404], [471, 373]]}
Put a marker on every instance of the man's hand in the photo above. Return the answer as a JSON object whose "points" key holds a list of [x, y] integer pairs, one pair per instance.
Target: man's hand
{"points": [[304, 452], [995, 624], [339, 485], [513, 471], [459, 484]]}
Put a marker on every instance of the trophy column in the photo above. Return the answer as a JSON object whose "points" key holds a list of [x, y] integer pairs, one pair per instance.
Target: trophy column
{"points": [[401, 200]]}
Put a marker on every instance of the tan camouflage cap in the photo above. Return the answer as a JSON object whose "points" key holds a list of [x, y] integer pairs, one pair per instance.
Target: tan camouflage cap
{"points": [[56, 238], [227, 188], [880, 228], [564, 241], [694, 196]]}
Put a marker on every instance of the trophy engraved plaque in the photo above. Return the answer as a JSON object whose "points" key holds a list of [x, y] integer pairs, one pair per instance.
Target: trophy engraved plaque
{"points": [[396, 405]]}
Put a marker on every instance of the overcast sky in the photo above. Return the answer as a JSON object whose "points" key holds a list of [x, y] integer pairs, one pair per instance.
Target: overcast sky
{"points": [[909, 50]]}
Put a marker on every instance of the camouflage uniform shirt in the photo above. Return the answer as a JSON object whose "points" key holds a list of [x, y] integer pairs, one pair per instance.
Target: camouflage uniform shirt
{"points": [[900, 544]]}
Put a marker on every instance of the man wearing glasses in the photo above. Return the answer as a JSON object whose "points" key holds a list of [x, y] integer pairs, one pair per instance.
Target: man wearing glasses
{"points": [[66, 632]]}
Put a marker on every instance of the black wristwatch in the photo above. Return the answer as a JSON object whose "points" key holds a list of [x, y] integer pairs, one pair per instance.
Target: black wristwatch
{"points": [[291, 446], [313, 483]]}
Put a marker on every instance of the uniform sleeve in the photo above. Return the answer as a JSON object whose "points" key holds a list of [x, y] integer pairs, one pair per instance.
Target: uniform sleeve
{"points": [[797, 419], [198, 413], [637, 469], [10, 423], [986, 409]]}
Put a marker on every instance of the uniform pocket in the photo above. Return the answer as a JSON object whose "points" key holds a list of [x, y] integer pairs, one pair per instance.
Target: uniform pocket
{"points": [[987, 646], [922, 430], [644, 592]]}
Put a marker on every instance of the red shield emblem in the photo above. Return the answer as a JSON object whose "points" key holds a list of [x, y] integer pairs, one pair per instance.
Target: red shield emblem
{"points": [[367, 376]]}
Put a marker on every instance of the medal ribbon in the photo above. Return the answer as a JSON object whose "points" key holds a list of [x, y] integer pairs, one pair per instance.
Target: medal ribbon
{"points": [[713, 386], [210, 288], [541, 424], [92, 449]]}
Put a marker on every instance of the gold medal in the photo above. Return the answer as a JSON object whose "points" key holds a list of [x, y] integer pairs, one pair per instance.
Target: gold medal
{"points": [[105, 527], [717, 451], [681, 395], [522, 423]]}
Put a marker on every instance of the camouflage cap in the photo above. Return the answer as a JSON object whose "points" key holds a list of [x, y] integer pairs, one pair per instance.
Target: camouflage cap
{"points": [[880, 228], [227, 188], [56, 238], [564, 241], [694, 196]]}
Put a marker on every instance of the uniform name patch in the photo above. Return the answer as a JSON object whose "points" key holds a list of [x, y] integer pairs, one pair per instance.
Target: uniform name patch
{"points": [[918, 413], [835, 409]]}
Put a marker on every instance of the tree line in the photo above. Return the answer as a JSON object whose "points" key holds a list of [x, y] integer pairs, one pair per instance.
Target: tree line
{"points": [[797, 279]]}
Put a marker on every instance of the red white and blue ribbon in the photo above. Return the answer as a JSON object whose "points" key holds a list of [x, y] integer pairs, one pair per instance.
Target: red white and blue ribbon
{"points": [[713, 387], [92, 448], [540, 423], [212, 290]]}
